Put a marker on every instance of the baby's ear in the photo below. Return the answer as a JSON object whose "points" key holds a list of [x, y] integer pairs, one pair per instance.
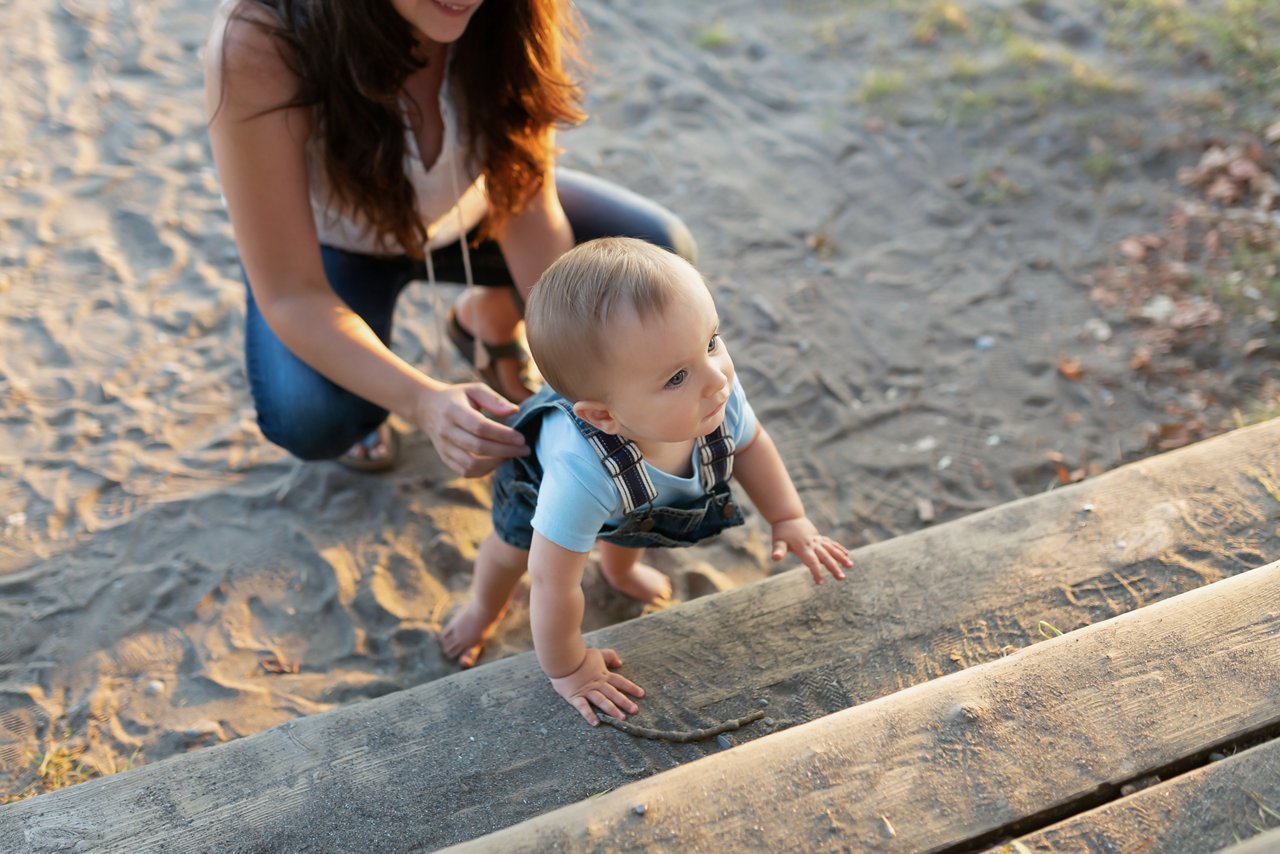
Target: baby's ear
{"points": [[596, 414]]}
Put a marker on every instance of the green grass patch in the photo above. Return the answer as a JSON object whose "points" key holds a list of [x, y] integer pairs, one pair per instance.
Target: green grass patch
{"points": [[991, 187], [1025, 72], [1020, 50], [59, 765], [964, 68], [937, 20], [968, 107], [1238, 37], [1254, 278], [715, 37], [1100, 164], [879, 85]]}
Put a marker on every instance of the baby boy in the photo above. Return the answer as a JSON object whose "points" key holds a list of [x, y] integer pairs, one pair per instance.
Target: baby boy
{"points": [[635, 436]]}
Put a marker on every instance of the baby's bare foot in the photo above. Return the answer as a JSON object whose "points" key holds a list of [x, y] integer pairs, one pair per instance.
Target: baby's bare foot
{"points": [[467, 633], [640, 581]]}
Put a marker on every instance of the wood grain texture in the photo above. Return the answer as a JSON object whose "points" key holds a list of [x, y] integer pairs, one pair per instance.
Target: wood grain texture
{"points": [[1209, 808], [484, 749], [955, 759], [1267, 842]]}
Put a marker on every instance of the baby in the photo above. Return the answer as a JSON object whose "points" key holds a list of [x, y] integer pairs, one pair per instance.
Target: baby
{"points": [[635, 436]]}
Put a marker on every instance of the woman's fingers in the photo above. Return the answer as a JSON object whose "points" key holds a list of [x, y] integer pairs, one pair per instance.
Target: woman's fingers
{"points": [[472, 445], [486, 399], [469, 429], [469, 466]]}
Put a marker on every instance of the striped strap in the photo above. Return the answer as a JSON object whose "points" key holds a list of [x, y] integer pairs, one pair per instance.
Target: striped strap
{"points": [[715, 457], [625, 464], [621, 459]]}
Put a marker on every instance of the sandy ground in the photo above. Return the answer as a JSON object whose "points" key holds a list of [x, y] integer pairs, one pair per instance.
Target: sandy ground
{"points": [[913, 228]]}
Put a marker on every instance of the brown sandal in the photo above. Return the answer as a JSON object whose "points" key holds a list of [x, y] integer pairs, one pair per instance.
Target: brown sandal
{"points": [[385, 436], [465, 343]]}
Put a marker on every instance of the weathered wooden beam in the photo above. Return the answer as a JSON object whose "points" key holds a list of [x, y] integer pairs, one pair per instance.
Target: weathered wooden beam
{"points": [[482, 750], [1267, 842], [1205, 809], [957, 759]]}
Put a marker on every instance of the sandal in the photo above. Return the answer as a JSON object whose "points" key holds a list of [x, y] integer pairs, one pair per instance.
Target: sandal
{"points": [[465, 343], [384, 437]]}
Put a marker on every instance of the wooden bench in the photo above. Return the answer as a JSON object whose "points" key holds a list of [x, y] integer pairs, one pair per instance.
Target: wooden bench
{"points": [[479, 751], [974, 756], [1232, 797]]}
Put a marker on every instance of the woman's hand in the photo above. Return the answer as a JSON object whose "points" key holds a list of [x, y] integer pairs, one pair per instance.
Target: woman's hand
{"points": [[454, 417]]}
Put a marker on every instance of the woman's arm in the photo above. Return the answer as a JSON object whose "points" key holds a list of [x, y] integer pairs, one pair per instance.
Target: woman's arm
{"points": [[536, 236], [261, 158], [582, 676]]}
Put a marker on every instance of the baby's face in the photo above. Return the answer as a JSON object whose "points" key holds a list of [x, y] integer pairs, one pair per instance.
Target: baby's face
{"points": [[669, 376]]}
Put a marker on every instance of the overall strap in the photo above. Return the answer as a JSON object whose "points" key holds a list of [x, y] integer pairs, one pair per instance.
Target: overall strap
{"points": [[715, 457], [621, 459]]}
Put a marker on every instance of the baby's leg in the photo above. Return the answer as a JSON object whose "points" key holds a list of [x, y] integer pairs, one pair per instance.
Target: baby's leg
{"points": [[621, 567], [498, 570]]}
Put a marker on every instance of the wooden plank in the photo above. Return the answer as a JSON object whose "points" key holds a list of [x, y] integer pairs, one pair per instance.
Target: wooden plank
{"points": [[482, 750], [1267, 842], [957, 759], [1209, 808]]}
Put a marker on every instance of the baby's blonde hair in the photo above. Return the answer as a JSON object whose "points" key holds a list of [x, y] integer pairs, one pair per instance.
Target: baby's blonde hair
{"points": [[571, 307]]}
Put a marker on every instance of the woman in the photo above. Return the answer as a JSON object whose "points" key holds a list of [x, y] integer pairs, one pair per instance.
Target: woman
{"points": [[362, 145]]}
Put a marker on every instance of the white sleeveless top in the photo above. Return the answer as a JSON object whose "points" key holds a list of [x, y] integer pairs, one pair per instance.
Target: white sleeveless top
{"points": [[450, 195]]}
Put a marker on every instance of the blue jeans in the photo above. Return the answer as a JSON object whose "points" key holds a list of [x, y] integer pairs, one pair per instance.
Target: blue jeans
{"points": [[313, 418]]}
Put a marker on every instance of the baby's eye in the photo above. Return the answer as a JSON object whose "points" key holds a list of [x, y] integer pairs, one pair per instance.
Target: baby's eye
{"points": [[678, 379], [713, 343]]}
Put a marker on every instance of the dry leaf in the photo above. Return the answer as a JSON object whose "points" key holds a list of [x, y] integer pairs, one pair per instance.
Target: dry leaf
{"points": [[1070, 368], [1224, 190], [1244, 170], [277, 665], [1066, 476], [1173, 435], [1187, 315], [1133, 249]]}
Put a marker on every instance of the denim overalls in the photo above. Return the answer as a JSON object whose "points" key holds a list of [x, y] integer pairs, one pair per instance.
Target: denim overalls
{"points": [[515, 486]]}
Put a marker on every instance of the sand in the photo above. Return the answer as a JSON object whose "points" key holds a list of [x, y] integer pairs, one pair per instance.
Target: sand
{"points": [[912, 281]]}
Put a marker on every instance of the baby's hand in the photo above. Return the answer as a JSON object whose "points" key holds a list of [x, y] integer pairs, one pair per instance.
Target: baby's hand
{"points": [[594, 684], [818, 552]]}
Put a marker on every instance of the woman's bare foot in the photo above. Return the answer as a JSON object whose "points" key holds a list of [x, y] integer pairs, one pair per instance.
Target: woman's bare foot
{"points": [[467, 633], [639, 581]]}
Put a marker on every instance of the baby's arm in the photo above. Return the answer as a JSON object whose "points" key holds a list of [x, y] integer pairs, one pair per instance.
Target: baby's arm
{"points": [[760, 470], [580, 675]]}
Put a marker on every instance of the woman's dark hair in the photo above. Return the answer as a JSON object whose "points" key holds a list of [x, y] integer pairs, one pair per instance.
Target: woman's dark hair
{"points": [[510, 73]]}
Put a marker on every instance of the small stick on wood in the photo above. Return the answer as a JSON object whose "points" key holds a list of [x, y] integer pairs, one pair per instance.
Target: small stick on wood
{"points": [[681, 736]]}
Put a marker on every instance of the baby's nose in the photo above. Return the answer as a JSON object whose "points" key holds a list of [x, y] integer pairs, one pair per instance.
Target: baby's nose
{"points": [[716, 383]]}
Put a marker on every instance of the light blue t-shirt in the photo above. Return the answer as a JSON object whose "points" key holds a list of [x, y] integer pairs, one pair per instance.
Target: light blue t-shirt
{"points": [[577, 497]]}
